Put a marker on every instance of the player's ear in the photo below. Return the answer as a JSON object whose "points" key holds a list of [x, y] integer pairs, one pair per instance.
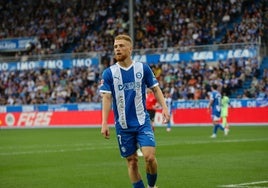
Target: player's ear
{"points": [[130, 49]]}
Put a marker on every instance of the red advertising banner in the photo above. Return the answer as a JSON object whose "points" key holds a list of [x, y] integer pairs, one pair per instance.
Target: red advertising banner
{"points": [[93, 118], [47, 119], [254, 115]]}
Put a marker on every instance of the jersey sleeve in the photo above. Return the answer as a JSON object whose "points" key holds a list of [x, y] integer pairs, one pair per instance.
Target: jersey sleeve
{"points": [[210, 96], [106, 81], [150, 79]]}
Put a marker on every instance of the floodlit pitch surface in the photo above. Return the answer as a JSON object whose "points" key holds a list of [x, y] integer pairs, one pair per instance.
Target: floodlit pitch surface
{"points": [[81, 157]]}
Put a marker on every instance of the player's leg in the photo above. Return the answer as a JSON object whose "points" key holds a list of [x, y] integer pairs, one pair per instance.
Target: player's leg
{"points": [[225, 125], [169, 124], [169, 127], [146, 140], [128, 147], [151, 164], [214, 132], [224, 115], [215, 128], [224, 121], [133, 171], [216, 125]]}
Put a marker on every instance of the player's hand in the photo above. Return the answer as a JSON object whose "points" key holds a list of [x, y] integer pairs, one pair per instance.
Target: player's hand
{"points": [[105, 131], [166, 116]]}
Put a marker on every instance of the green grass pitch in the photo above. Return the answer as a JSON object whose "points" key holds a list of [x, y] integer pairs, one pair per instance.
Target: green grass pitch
{"points": [[82, 158]]}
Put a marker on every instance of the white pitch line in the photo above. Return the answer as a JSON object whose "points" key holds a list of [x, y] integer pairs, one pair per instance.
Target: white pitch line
{"points": [[51, 151], [48, 146], [210, 140], [89, 146], [246, 185]]}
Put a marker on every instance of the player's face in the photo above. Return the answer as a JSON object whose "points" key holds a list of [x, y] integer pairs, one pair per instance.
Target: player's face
{"points": [[122, 49]]}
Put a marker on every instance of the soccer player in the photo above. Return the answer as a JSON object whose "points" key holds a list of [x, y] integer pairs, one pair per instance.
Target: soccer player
{"points": [[225, 102], [168, 100], [151, 105], [215, 107], [124, 85]]}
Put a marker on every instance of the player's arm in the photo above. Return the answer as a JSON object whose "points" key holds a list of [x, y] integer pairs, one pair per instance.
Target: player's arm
{"points": [[106, 107], [161, 100], [210, 102]]}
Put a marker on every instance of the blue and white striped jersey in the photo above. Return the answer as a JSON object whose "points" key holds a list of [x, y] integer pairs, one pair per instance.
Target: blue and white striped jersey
{"points": [[215, 96], [169, 104], [128, 88]]}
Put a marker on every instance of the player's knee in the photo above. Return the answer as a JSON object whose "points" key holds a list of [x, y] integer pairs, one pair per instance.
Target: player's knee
{"points": [[132, 162], [149, 158]]}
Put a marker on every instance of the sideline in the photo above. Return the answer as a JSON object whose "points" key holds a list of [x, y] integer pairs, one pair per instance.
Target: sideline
{"points": [[248, 185], [60, 148]]}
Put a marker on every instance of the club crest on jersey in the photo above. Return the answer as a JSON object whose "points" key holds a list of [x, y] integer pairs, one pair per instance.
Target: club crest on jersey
{"points": [[139, 75]]}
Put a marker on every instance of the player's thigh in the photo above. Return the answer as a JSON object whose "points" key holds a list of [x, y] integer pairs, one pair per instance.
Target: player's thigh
{"points": [[148, 151]]}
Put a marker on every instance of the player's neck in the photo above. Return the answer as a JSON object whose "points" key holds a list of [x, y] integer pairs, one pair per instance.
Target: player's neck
{"points": [[126, 63]]}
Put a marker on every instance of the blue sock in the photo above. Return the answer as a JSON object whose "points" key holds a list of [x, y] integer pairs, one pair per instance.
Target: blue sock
{"points": [[221, 127], [169, 125], [151, 178], [215, 128], [138, 184]]}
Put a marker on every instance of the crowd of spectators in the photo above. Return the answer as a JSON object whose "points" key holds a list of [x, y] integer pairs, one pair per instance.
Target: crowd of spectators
{"points": [[193, 80], [89, 26], [49, 86], [83, 26], [185, 81]]}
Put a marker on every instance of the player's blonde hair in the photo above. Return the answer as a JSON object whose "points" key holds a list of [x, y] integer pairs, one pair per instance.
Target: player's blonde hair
{"points": [[124, 37]]}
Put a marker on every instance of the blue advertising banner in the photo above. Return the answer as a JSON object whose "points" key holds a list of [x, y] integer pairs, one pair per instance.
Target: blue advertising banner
{"points": [[51, 107], [236, 103], [49, 64], [16, 44], [209, 56]]}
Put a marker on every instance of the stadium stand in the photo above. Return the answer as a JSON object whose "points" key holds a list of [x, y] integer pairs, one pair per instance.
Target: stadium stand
{"points": [[89, 26]]}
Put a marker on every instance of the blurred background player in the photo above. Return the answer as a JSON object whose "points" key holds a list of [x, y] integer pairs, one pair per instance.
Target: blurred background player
{"points": [[168, 100], [225, 102], [151, 105], [215, 107]]}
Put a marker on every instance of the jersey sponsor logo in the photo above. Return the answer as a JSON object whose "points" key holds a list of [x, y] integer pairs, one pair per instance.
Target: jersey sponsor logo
{"points": [[129, 86]]}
